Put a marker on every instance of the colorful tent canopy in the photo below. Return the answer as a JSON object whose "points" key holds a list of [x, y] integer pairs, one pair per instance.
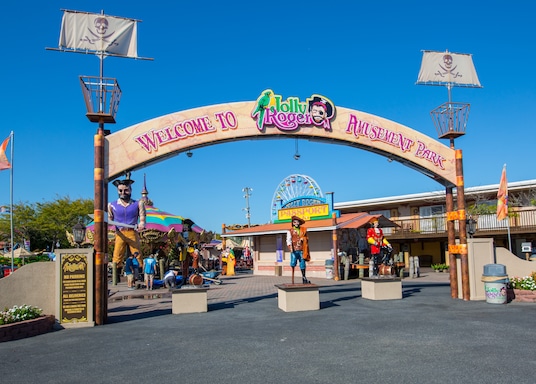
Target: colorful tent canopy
{"points": [[163, 221]]}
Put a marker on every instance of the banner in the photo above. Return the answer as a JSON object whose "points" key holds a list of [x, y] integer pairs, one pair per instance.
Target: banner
{"points": [[441, 68], [502, 197], [99, 33], [4, 163]]}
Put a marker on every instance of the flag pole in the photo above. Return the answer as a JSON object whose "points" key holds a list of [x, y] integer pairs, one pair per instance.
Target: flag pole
{"points": [[11, 200], [509, 237]]}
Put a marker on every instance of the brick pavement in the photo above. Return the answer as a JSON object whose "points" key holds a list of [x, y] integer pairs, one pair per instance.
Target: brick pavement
{"points": [[241, 287]]}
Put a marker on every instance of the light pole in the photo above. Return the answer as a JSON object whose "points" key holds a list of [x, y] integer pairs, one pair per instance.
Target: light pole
{"points": [[102, 97], [247, 191], [452, 70]]}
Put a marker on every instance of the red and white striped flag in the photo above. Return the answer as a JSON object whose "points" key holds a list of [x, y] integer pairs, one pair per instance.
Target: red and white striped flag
{"points": [[502, 197], [4, 163]]}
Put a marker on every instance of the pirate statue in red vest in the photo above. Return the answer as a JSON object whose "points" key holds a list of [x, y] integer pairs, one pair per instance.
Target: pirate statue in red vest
{"points": [[377, 242], [129, 217], [298, 245]]}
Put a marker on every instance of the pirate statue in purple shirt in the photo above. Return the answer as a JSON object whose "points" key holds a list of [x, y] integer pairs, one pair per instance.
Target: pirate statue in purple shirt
{"points": [[126, 211]]}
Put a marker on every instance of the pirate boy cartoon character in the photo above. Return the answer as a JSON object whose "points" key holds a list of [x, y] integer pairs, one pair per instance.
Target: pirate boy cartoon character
{"points": [[321, 111]]}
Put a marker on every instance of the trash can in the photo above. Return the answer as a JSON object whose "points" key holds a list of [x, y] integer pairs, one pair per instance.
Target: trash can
{"points": [[278, 270], [495, 280], [329, 269]]}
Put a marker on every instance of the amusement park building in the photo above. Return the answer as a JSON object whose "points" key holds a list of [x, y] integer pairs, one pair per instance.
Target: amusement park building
{"points": [[414, 224], [421, 219]]}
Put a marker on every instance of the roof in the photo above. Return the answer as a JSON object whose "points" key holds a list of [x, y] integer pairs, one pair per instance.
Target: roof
{"points": [[347, 220], [415, 197], [213, 244]]}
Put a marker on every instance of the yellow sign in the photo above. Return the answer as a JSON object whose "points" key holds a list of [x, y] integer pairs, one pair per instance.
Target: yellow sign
{"points": [[306, 213], [458, 249], [456, 215]]}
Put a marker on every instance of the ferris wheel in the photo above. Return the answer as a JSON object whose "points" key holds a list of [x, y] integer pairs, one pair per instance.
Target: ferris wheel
{"points": [[293, 187]]}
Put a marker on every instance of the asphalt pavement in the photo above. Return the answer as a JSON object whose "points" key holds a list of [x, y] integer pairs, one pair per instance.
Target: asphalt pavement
{"points": [[426, 337]]}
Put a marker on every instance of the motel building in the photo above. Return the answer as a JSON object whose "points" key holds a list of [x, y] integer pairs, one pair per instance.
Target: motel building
{"points": [[414, 224]]}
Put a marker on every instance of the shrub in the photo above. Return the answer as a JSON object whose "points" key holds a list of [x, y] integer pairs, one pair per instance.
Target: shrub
{"points": [[525, 283], [16, 314]]}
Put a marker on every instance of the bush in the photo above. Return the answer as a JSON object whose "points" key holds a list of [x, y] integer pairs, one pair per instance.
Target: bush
{"points": [[16, 314], [526, 283]]}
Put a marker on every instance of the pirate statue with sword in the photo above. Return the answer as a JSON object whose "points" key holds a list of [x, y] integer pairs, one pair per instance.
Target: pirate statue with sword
{"points": [[128, 216]]}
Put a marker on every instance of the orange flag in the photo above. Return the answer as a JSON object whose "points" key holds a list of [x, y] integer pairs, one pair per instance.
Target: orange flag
{"points": [[4, 163], [502, 197]]}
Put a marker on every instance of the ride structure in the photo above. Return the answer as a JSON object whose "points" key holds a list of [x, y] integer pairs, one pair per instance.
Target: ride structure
{"points": [[295, 195]]}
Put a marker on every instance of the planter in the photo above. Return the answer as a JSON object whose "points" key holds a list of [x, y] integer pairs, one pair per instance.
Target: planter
{"points": [[27, 328], [522, 296]]}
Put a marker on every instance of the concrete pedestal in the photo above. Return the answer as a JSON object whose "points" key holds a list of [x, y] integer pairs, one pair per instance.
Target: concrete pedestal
{"points": [[298, 297], [189, 300], [381, 288]]}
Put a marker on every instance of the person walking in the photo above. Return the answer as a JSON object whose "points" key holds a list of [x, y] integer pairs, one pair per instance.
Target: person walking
{"points": [[149, 270], [129, 272], [136, 264]]}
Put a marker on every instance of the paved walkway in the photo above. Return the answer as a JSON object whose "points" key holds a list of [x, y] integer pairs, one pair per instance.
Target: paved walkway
{"points": [[426, 337], [125, 303]]}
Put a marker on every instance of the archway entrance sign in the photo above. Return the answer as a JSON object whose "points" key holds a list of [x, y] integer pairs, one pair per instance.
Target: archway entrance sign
{"points": [[271, 116]]}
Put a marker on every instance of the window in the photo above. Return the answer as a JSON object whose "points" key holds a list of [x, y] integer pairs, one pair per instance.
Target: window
{"points": [[432, 218]]}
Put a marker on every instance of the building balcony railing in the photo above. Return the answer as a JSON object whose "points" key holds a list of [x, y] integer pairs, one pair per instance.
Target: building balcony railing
{"points": [[522, 220]]}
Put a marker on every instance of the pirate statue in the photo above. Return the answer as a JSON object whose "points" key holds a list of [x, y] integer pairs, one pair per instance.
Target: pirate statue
{"points": [[129, 217], [297, 243], [377, 242]]}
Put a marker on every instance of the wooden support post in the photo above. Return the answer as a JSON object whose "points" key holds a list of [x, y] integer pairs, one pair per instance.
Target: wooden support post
{"points": [[101, 291], [462, 225], [453, 270]]}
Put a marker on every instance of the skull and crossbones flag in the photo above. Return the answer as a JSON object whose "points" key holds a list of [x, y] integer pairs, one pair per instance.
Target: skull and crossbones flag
{"points": [[446, 68], [98, 33]]}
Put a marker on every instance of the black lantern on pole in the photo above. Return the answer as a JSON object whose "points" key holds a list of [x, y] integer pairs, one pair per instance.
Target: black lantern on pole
{"points": [[79, 233], [471, 226]]}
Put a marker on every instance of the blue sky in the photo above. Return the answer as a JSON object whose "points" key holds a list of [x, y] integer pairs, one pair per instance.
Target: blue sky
{"points": [[362, 55]]}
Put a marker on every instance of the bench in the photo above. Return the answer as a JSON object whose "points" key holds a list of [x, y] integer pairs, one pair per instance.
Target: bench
{"points": [[361, 268]]}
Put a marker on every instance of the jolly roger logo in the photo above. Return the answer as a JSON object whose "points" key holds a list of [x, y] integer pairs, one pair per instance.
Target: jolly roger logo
{"points": [[447, 69], [100, 32]]}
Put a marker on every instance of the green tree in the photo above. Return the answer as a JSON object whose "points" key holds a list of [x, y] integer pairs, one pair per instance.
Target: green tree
{"points": [[45, 223], [24, 215]]}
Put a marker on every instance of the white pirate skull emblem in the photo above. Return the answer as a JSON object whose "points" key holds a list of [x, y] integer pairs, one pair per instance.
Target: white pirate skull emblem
{"points": [[447, 69], [101, 25], [447, 59]]}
